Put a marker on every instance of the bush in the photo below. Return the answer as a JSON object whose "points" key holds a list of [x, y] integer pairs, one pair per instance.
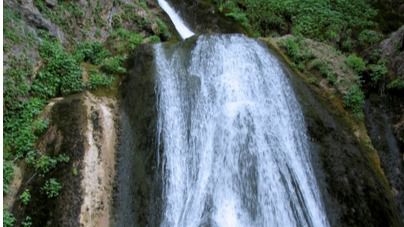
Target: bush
{"points": [[113, 65], [8, 219], [19, 137], [45, 163], [124, 40], [354, 100], [163, 29], [377, 71], [369, 37], [25, 197], [98, 80], [92, 52], [8, 171], [52, 188], [295, 50], [356, 63], [60, 75], [397, 84], [40, 126], [16, 83]]}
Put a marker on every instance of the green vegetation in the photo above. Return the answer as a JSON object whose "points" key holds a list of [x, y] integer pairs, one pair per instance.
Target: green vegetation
{"points": [[113, 65], [92, 52], [98, 80], [8, 219], [122, 40], [356, 63], [45, 163], [296, 51], [377, 71], [324, 70], [332, 21], [52, 188], [7, 174], [60, 75], [25, 197], [354, 100], [397, 84]]}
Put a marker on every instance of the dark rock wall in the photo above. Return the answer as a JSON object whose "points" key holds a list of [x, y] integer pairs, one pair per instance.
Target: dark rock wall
{"points": [[355, 191]]}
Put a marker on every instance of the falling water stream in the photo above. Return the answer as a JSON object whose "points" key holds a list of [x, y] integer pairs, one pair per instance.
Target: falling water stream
{"points": [[232, 135]]}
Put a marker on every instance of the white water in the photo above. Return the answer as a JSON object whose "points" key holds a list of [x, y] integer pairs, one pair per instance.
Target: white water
{"points": [[179, 24], [235, 151]]}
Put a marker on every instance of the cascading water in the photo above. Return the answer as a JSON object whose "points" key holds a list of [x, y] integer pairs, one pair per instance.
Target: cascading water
{"points": [[228, 136], [179, 24], [235, 151]]}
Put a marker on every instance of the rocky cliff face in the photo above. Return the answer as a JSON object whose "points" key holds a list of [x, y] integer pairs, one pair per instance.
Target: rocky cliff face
{"points": [[77, 149]]}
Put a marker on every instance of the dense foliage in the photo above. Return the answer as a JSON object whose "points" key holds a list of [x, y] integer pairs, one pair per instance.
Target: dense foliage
{"points": [[345, 22]]}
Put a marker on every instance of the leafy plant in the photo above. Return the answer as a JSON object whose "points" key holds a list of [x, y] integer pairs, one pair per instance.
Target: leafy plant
{"points": [[397, 84], [369, 37], [60, 75], [377, 71], [25, 197], [52, 188], [91, 51], [354, 100], [113, 65], [8, 171], [99, 80], [8, 219], [45, 162], [295, 50], [40, 126], [356, 63]]}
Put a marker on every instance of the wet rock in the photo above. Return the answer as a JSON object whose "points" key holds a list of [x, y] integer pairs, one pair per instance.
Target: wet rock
{"points": [[51, 3], [393, 51], [354, 189], [87, 178]]}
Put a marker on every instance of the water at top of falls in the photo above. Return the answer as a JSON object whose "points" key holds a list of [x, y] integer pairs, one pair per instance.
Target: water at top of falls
{"points": [[235, 151], [179, 24]]}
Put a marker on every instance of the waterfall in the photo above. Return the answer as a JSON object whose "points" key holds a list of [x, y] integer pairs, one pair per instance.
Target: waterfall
{"points": [[179, 24], [235, 151]]}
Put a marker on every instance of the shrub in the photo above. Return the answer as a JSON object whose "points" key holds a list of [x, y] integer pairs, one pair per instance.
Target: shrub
{"points": [[8, 219], [354, 100], [52, 188], [98, 80], [397, 84], [163, 29], [25, 197], [40, 126], [369, 37], [8, 171], [356, 63], [113, 65], [16, 83], [91, 51], [45, 163], [295, 50], [377, 71], [60, 75], [124, 40], [153, 39]]}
